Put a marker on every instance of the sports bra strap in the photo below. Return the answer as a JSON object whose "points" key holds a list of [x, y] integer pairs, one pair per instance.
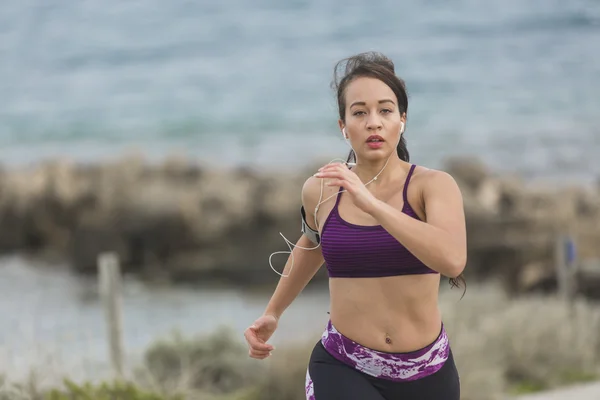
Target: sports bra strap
{"points": [[405, 190]]}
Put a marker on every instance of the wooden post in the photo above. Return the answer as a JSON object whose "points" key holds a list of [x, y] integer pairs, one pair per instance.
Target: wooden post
{"points": [[566, 268], [110, 292]]}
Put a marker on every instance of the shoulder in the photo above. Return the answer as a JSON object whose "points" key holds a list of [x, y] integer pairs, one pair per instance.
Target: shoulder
{"points": [[314, 191], [435, 183], [311, 191]]}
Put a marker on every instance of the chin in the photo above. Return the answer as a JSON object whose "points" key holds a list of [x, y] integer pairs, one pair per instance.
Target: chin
{"points": [[375, 155]]}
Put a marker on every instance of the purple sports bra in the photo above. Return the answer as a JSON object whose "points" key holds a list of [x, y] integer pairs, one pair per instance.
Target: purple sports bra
{"points": [[358, 251]]}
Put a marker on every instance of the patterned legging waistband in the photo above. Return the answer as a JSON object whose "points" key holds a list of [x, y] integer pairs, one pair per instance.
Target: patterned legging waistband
{"points": [[391, 366]]}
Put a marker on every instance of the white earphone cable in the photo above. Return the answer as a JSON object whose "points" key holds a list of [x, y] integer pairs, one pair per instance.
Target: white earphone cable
{"points": [[290, 244]]}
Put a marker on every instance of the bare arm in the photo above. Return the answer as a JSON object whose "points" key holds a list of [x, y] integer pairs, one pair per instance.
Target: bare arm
{"points": [[441, 242], [306, 262]]}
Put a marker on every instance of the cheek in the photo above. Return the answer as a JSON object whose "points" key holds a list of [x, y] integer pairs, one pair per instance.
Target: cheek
{"points": [[352, 126], [394, 122]]}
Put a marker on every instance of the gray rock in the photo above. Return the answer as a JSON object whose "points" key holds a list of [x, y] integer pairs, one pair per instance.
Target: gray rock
{"points": [[186, 222]]}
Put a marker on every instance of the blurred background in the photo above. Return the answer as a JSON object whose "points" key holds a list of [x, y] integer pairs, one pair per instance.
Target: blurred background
{"points": [[177, 136]]}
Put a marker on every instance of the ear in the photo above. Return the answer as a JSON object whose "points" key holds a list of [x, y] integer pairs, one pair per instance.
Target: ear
{"points": [[343, 128], [403, 119]]}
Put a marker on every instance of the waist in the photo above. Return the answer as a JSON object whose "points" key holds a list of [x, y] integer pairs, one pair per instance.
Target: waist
{"points": [[403, 308], [389, 333], [395, 366]]}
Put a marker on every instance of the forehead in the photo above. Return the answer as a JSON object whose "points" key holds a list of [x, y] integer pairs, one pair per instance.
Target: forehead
{"points": [[368, 90]]}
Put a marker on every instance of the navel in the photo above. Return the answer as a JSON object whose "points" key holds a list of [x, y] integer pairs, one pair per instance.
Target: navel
{"points": [[388, 339]]}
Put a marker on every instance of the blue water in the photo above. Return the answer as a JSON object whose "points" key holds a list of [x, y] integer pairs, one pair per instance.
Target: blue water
{"points": [[514, 82]]}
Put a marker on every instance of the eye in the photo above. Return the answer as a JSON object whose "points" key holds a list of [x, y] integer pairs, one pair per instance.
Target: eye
{"points": [[386, 110], [358, 113]]}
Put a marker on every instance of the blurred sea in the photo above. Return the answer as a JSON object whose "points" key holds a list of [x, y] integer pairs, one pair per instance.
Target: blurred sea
{"points": [[236, 82]]}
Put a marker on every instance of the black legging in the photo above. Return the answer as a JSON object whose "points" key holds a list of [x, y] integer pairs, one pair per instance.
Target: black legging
{"points": [[334, 380]]}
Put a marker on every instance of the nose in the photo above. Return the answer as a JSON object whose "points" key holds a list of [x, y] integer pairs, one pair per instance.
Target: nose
{"points": [[374, 122]]}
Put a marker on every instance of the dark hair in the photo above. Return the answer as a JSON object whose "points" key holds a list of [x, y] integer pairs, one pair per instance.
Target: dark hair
{"points": [[372, 65], [378, 66]]}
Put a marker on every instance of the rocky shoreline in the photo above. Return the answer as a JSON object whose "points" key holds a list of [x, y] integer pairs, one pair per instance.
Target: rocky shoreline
{"points": [[186, 223]]}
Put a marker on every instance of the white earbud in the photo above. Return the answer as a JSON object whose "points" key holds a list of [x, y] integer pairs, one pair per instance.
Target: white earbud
{"points": [[346, 137], [402, 129]]}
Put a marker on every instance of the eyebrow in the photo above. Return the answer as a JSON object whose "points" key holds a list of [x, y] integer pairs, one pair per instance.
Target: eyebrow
{"points": [[362, 103]]}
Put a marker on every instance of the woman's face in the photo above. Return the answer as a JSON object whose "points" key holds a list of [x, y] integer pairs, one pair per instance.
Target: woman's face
{"points": [[373, 121]]}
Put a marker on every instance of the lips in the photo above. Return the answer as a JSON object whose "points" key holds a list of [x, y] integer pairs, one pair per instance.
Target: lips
{"points": [[375, 142], [374, 138]]}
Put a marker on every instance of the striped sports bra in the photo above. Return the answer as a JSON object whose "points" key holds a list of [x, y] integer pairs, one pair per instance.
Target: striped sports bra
{"points": [[359, 251]]}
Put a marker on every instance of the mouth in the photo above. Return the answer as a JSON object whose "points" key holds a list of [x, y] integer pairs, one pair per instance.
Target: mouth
{"points": [[374, 139]]}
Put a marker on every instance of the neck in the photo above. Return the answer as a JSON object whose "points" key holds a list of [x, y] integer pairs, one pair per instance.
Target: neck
{"points": [[367, 170]]}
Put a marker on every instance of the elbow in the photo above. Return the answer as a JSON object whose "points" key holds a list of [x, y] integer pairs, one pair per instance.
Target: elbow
{"points": [[456, 265]]}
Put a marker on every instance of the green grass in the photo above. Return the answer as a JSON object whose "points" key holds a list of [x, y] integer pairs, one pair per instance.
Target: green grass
{"points": [[565, 378], [522, 388], [105, 391]]}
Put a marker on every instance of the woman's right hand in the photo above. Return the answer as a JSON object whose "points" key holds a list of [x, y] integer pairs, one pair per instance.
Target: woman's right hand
{"points": [[258, 334]]}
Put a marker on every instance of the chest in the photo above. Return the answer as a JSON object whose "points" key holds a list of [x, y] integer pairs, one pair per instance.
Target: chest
{"points": [[348, 212], [357, 243]]}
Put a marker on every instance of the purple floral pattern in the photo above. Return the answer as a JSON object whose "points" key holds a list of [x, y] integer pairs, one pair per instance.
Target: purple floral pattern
{"points": [[309, 386], [398, 367]]}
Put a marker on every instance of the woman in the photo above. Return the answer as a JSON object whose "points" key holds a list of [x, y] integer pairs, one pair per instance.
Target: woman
{"points": [[387, 230]]}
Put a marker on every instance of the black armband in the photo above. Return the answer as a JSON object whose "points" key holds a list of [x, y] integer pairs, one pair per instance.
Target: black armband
{"points": [[311, 234]]}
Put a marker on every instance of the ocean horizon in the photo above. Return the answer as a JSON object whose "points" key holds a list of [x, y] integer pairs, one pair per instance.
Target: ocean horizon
{"points": [[513, 83]]}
